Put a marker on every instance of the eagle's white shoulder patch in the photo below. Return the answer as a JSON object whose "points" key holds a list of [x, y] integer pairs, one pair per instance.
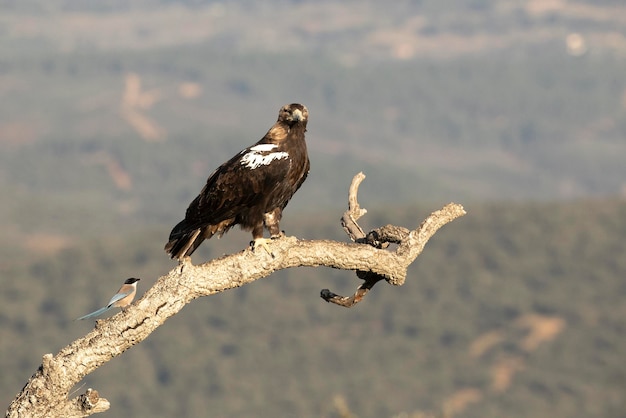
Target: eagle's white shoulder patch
{"points": [[261, 154], [263, 147]]}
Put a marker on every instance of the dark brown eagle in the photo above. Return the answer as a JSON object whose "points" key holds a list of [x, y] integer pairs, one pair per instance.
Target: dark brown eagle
{"points": [[251, 189]]}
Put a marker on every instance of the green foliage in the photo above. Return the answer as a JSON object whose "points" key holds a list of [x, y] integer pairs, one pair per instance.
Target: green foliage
{"points": [[274, 348], [526, 122]]}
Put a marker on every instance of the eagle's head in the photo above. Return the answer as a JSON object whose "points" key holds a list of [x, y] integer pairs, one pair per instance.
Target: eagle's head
{"points": [[293, 113]]}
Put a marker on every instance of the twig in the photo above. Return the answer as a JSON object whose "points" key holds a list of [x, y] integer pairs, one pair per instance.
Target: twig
{"points": [[354, 212]]}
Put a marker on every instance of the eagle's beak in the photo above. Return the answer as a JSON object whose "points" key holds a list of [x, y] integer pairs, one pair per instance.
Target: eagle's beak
{"points": [[297, 115]]}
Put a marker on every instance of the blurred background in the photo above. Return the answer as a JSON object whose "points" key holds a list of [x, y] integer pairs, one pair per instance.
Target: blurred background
{"points": [[114, 113]]}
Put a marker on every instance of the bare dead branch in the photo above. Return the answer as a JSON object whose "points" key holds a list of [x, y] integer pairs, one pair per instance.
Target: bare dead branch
{"points": [[356, 234], [354, 212], [381, 238], [370, 279], [46, 392]]}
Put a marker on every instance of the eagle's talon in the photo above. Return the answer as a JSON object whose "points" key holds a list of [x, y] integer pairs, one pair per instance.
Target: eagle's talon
{"points": [[263, 243]]}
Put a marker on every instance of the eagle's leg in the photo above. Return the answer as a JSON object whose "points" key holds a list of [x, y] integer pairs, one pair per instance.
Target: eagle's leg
{"points": [[271, 221], [259, 241]]}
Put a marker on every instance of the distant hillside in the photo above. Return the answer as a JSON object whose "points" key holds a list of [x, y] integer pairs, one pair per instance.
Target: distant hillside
{"points": [[351, 30], [513, 310], [487, 101]]}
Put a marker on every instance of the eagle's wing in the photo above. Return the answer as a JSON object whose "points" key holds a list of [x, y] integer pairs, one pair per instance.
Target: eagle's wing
{"points": [[241, 182]]}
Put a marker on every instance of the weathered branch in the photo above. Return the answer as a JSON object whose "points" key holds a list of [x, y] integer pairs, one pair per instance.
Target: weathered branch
{"points": [[46, 393], [381, 238], [354, 212]]}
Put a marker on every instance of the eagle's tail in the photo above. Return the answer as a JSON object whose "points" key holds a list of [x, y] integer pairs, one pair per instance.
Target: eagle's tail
{"points": [[183, 241]]}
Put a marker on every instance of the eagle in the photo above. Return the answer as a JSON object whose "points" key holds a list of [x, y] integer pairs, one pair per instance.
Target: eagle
{"points": [[251, 189]]}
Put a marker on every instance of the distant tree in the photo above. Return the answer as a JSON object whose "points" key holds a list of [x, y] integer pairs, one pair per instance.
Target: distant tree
{"points": [[47, 392]]}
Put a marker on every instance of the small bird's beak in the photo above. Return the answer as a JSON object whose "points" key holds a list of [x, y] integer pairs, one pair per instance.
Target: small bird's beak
{"points": [[297, 115]]}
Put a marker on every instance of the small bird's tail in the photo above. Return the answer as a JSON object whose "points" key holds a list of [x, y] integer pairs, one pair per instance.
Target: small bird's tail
{"points": [[95, 313]]}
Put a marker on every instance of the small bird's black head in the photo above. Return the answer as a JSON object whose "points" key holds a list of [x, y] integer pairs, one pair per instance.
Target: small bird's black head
{"points": [[293, 113], [131, 280]]}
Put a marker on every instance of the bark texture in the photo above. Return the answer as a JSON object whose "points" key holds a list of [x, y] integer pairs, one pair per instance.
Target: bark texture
{"points": [[46, 394]]}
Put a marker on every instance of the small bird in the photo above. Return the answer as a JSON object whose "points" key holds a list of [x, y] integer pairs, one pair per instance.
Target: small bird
{"points": [[121, 299]]}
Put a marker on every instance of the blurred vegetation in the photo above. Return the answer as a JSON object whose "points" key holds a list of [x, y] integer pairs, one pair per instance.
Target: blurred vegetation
{"points": [[535, 123], [516, 309], [518, 117], [112, 116]]}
